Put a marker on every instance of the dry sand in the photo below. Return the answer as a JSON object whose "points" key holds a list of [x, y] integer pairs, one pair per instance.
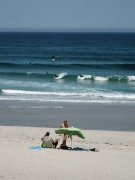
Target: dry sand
{"points": [[115, 159]]}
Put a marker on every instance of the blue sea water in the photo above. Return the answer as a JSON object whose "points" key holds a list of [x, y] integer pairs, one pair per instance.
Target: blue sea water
{"points": [[105, 61]]}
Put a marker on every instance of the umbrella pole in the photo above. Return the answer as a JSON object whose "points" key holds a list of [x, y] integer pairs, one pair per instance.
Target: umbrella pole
{"points": [[71, 140]]}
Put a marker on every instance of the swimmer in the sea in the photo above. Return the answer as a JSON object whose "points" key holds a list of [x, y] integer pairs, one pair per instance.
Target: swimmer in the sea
{"points": [[53, 58]]}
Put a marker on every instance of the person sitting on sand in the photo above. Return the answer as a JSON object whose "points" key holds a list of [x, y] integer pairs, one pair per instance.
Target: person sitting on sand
{"points": [[54, 142], [64, 137]]}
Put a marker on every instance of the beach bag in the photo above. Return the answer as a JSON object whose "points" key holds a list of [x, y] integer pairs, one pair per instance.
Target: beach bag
{"points": [[62, 146]]}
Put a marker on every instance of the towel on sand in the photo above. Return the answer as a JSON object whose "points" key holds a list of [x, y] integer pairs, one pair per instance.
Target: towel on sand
{"points": [[82, 149], [35, 147]]}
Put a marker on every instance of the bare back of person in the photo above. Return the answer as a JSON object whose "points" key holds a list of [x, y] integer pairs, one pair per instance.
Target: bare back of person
{"points": [[64, 137], [65, 124]]}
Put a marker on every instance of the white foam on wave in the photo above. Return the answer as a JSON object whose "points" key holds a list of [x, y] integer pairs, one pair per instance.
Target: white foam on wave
{"points": [[115, 95], [84, 77], [74, 95], [29, 73], [131, 78], [69, 101], [99, 78], [8, 91]]}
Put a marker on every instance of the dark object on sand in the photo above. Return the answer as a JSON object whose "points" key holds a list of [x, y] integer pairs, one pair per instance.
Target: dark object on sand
{"points": [[63, 146]]}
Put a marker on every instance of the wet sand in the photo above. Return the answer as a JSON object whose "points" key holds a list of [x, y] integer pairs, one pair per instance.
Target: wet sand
{"points": [[111, 117]]}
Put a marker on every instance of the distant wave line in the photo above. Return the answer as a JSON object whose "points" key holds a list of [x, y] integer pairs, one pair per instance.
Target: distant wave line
{"points": [[68, 77], [92, 65]]}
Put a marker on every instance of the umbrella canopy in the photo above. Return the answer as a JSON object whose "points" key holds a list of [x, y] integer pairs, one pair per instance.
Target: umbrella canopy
{"points": [[70, 132]]}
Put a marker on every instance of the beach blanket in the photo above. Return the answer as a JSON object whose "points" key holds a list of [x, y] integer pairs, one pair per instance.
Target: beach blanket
{"points": [[82, 149], [79, 149], [76, 149]]}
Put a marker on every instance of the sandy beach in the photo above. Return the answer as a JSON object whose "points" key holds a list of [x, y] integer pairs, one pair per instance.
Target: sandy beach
{"points": [[115, 159], [108, 127]]}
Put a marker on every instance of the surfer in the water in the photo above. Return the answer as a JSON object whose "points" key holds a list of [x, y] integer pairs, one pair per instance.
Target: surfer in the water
{"points": [[56, 75], [80, 75], [53, 58]]}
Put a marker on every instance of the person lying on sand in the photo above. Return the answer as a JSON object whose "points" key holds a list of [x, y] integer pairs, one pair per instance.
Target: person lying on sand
{"points": [[54, 142]]}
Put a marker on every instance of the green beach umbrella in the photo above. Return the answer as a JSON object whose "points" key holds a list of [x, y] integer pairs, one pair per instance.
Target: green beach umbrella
{"points": [[70, 132]]}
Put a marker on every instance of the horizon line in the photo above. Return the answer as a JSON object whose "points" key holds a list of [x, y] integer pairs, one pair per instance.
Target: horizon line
{"points": [[83, 30]]}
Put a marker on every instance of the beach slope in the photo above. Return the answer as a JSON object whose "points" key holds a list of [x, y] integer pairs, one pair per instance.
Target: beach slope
{"points": [[115, 159]]}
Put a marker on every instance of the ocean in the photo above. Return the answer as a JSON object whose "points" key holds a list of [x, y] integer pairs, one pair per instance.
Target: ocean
{"points": [[91, 67]]}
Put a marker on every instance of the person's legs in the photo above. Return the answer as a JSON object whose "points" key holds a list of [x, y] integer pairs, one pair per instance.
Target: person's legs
{"points": [[64, 138], [55, 143]]}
